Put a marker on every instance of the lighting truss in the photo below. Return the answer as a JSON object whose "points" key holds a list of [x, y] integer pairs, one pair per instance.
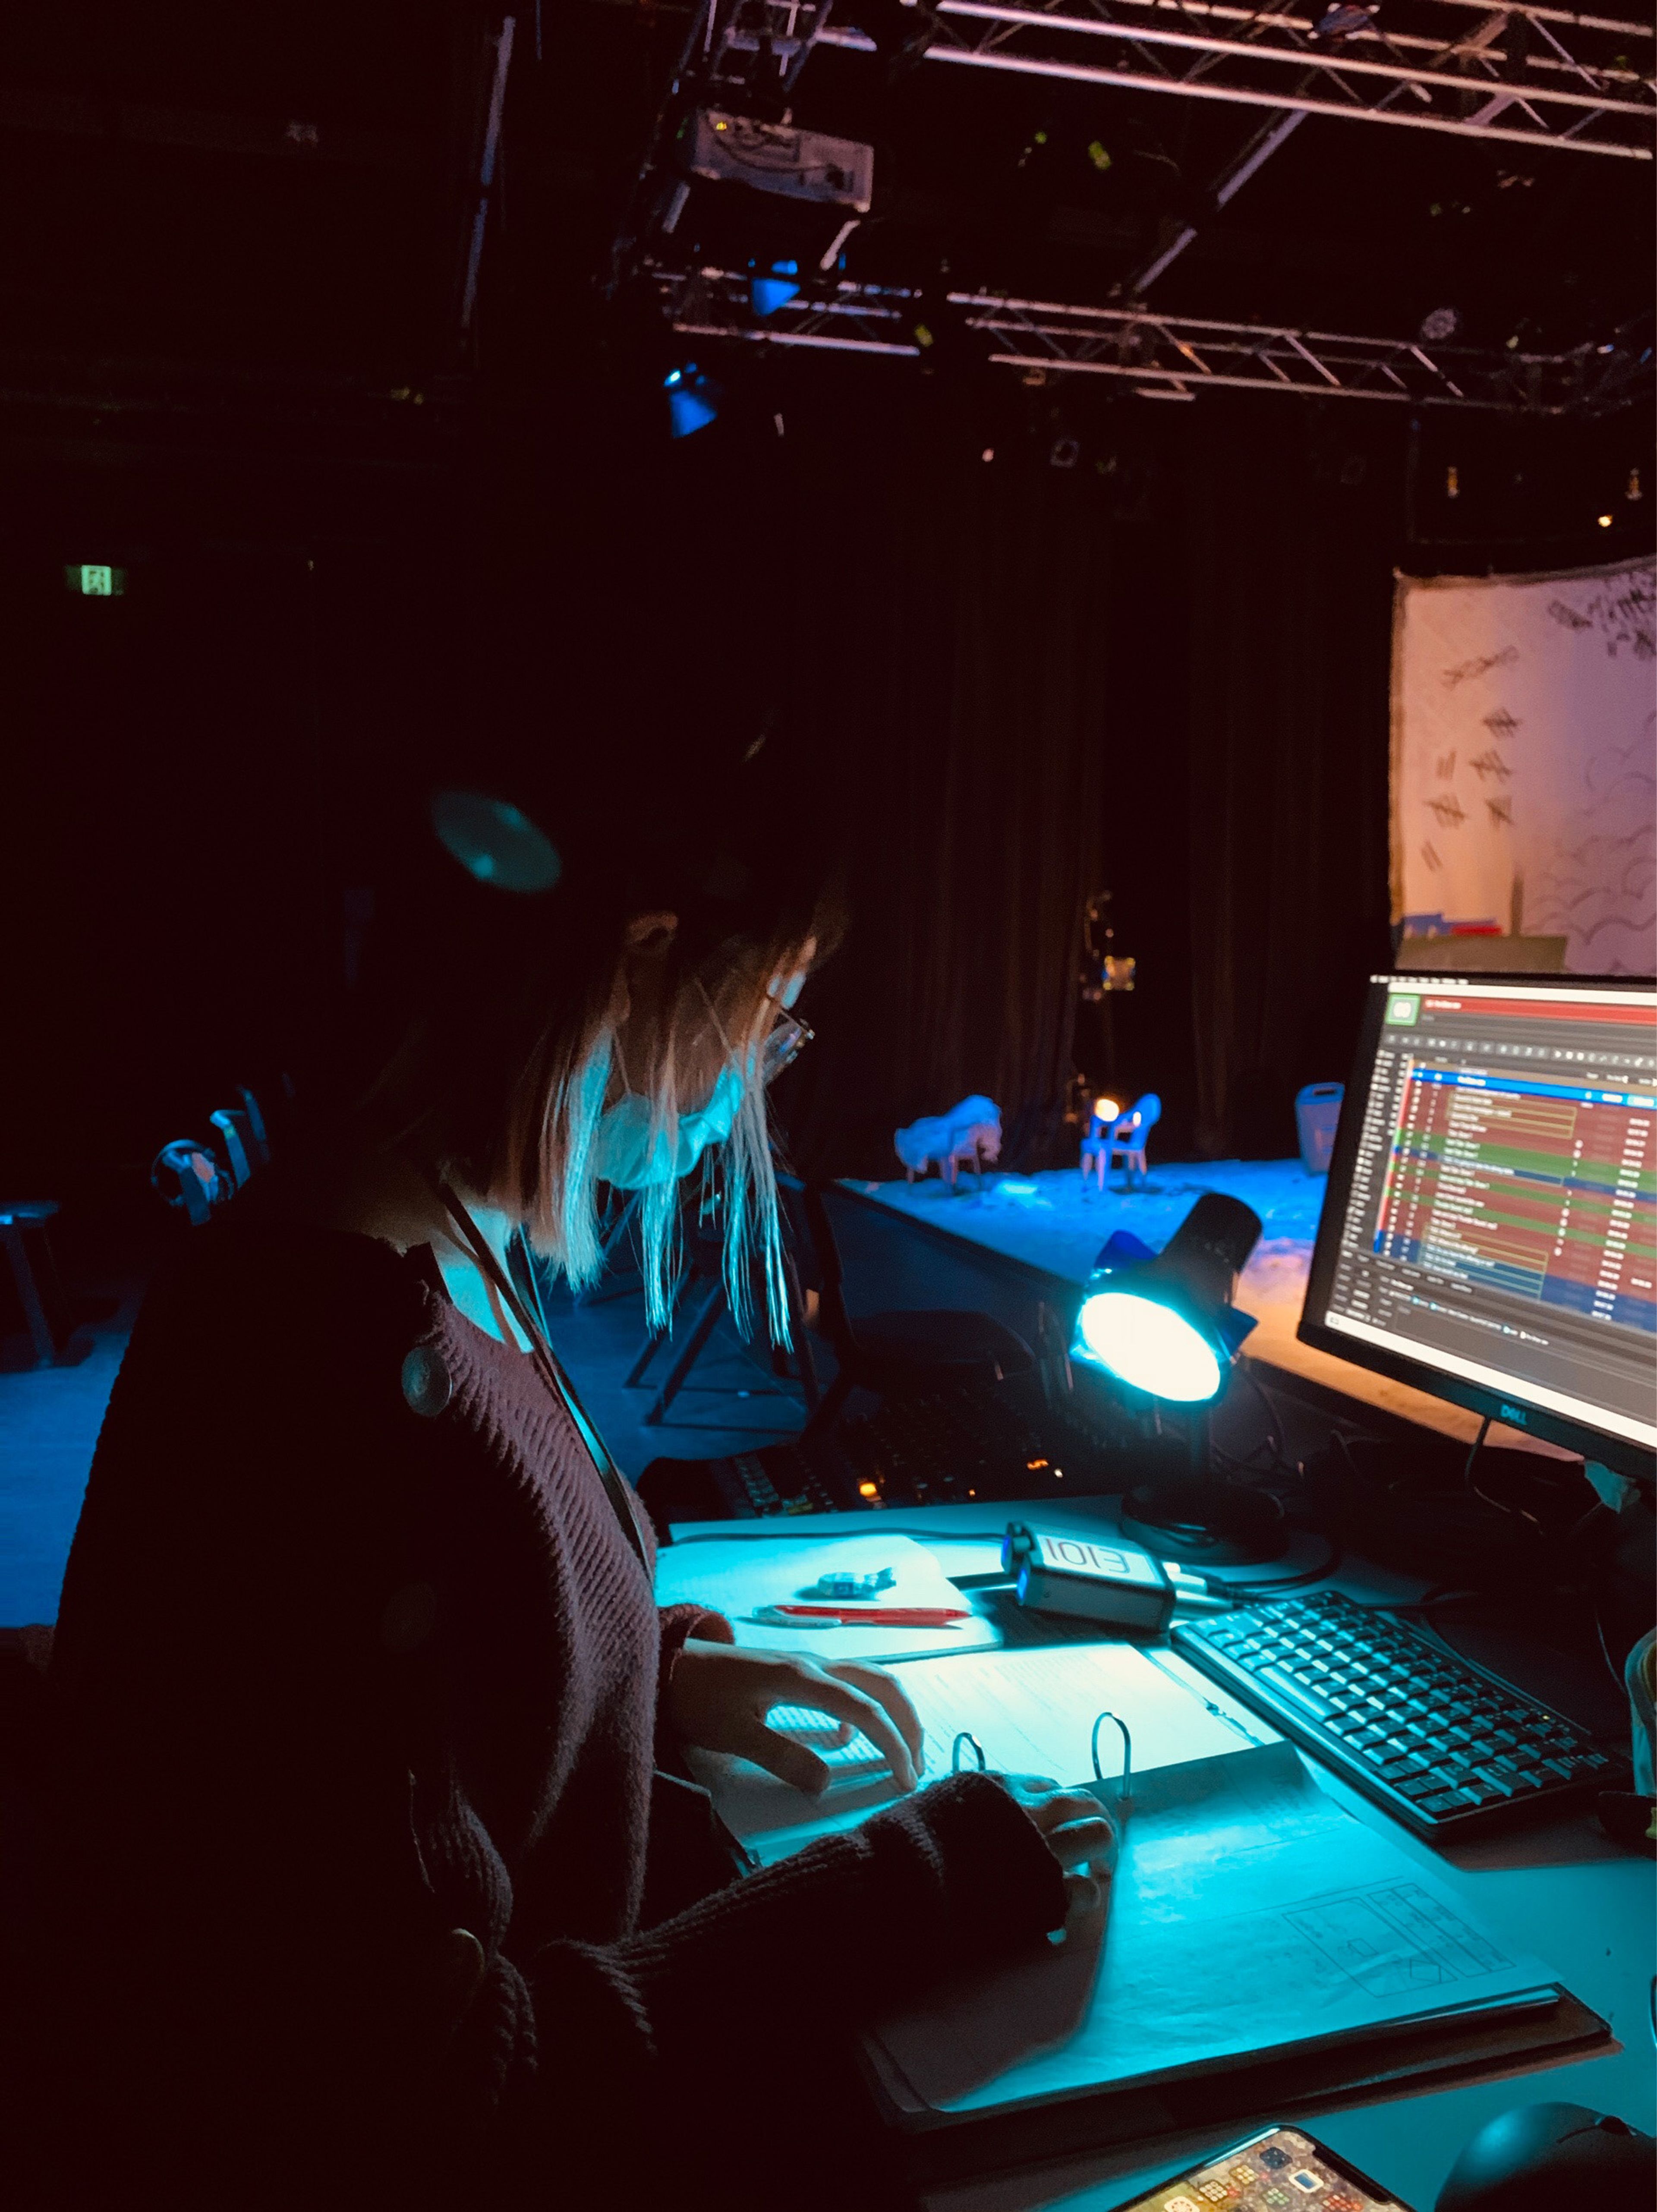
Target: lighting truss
{"points": [[1532, 76], [1526, 76], [1169, 357]]}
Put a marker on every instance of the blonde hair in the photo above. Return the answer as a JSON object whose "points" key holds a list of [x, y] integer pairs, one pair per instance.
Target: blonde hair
{"points": [[544, 1174]]}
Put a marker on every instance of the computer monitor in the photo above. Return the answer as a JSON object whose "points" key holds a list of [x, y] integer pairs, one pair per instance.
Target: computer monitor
{"points": [[1490, 1232]]}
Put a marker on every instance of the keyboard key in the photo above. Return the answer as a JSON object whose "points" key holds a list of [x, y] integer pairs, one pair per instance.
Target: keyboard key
{"points": [[1304, 1699], [1423, 1731]]}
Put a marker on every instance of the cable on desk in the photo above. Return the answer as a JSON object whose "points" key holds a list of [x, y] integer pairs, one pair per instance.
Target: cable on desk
{"points": [[1222, 1586]]}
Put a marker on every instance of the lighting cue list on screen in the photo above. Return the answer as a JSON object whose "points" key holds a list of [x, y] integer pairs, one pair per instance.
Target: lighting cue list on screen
{"points": [[1545, 1189], [1502, 1223]]}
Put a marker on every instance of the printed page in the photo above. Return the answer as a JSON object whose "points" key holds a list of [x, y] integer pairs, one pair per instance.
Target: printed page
{"points": [[1249, 1913], [1031, 1712]]}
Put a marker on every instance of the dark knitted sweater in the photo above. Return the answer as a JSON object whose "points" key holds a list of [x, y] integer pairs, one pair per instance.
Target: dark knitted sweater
{"points": [[353, 1653]]}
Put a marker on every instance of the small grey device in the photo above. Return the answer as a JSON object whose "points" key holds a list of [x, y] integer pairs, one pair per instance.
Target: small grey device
{"points": [[1116, 1583]]}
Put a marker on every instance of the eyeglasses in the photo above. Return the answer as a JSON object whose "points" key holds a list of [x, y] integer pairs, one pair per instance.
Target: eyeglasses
{"points": [[786, 1042]]}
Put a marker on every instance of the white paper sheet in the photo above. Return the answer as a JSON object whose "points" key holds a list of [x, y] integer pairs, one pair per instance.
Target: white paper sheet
{"points": [[1032, 1712], [1249, 1913], [735, 1575]]}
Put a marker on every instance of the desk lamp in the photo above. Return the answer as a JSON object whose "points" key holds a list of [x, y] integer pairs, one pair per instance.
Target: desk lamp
{"points": [[1164, 1326]]}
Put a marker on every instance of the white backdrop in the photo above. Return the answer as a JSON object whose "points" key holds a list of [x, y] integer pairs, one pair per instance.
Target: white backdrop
{"points": [[1525, 759]]}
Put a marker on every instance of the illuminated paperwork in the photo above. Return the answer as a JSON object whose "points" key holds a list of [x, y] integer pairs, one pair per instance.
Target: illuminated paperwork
{"points": [[1250, 1913], [1031, 1711]]}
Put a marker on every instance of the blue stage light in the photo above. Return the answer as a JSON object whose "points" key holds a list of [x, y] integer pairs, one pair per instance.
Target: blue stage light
{"points": [[767, 294], [693, 399]]}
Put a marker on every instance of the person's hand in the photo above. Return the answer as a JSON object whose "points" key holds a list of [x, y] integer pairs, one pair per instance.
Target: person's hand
{"points": [[718, 1697], [1078, 1831]]}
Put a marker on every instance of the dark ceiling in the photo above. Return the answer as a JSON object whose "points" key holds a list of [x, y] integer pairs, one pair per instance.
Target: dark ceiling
{"points": [[1061, 190], [287, 195]]}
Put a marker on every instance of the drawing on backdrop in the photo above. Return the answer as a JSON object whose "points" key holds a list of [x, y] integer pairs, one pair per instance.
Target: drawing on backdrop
{"points": [[1524, 781]]}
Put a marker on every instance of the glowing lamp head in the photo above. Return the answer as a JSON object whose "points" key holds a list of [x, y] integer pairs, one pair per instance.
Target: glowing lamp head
{"points": [[1105, 1109], [1150, 1346], [1165, 1323]]}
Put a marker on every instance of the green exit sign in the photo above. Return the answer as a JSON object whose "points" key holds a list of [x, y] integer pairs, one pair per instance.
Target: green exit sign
{"points": [[96, 580]]}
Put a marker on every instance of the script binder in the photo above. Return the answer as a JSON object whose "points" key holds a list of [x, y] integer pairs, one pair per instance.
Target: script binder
{"points": [[1546, 2027], [1264, 1949]]}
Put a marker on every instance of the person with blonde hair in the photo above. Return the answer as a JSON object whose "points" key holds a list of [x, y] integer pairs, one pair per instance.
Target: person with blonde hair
{"points": [[378, 1877]]}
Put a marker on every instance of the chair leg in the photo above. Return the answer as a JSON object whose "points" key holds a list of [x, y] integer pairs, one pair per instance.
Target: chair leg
{"points": [[647, 1351], [702, 1329]]}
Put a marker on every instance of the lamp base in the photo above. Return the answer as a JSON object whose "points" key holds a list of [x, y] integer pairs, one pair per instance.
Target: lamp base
{"points": [[1210, 1523]]}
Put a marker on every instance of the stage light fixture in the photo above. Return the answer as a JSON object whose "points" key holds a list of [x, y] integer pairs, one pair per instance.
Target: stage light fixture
{"points": [[1605, 521], [1165, 1324], [1442, 323], [693, 400], [1634, 488], [1343, 19], [1106, 1110], [767, 294]]}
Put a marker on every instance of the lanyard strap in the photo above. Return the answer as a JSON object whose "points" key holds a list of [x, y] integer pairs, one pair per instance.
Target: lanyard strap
{"points": [[551, 1373]]}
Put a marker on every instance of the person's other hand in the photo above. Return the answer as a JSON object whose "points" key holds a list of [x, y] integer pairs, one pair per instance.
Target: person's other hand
{"points": [[1078, 1831], [718, 1698]]}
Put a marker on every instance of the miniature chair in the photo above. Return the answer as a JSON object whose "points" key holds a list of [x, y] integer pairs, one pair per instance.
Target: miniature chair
{"points": [[1128, 1137], [908, 1352]]}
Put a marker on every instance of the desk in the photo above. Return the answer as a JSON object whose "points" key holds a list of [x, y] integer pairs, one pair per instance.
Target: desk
{"points": [[1562, 1891]]}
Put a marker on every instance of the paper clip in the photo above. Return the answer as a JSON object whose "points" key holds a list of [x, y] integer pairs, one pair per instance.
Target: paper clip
{"points": [[967, 1737], [1125, 1788]]}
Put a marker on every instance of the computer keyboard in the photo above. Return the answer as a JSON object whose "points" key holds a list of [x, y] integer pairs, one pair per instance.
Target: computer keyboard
{"points": [[1444, 1746]]}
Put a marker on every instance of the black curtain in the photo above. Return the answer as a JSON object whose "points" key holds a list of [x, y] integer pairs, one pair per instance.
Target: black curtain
{"points": [[1057, 681], [959, 696], [1289, 547]]}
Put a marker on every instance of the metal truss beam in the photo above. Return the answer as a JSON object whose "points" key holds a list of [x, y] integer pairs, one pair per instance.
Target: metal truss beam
{"points": [[1529, 77], [1528, 74], [1168, 356]]}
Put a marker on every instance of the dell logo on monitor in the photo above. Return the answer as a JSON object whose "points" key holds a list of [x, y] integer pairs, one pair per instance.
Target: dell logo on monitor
{"points": [[1516, 1415]]}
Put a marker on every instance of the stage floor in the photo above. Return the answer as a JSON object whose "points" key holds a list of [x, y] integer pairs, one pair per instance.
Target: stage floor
{"points": [[1055, 1221]]}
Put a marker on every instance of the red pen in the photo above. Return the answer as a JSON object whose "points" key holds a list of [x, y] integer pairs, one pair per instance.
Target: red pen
{"points": [[882, 1616]]}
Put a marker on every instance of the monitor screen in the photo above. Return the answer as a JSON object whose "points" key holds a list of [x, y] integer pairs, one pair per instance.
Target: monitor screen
{"points": [[1490, 1232]]}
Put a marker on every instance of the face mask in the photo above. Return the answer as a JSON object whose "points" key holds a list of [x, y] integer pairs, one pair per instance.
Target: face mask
{"points": [[626, 1155]]}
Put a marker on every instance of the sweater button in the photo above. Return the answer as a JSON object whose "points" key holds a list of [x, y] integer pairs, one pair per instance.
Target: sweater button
{"points": [[426, 1384]]}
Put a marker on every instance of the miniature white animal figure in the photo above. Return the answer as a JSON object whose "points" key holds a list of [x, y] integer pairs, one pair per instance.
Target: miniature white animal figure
{"points": [[970, 1132]]}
